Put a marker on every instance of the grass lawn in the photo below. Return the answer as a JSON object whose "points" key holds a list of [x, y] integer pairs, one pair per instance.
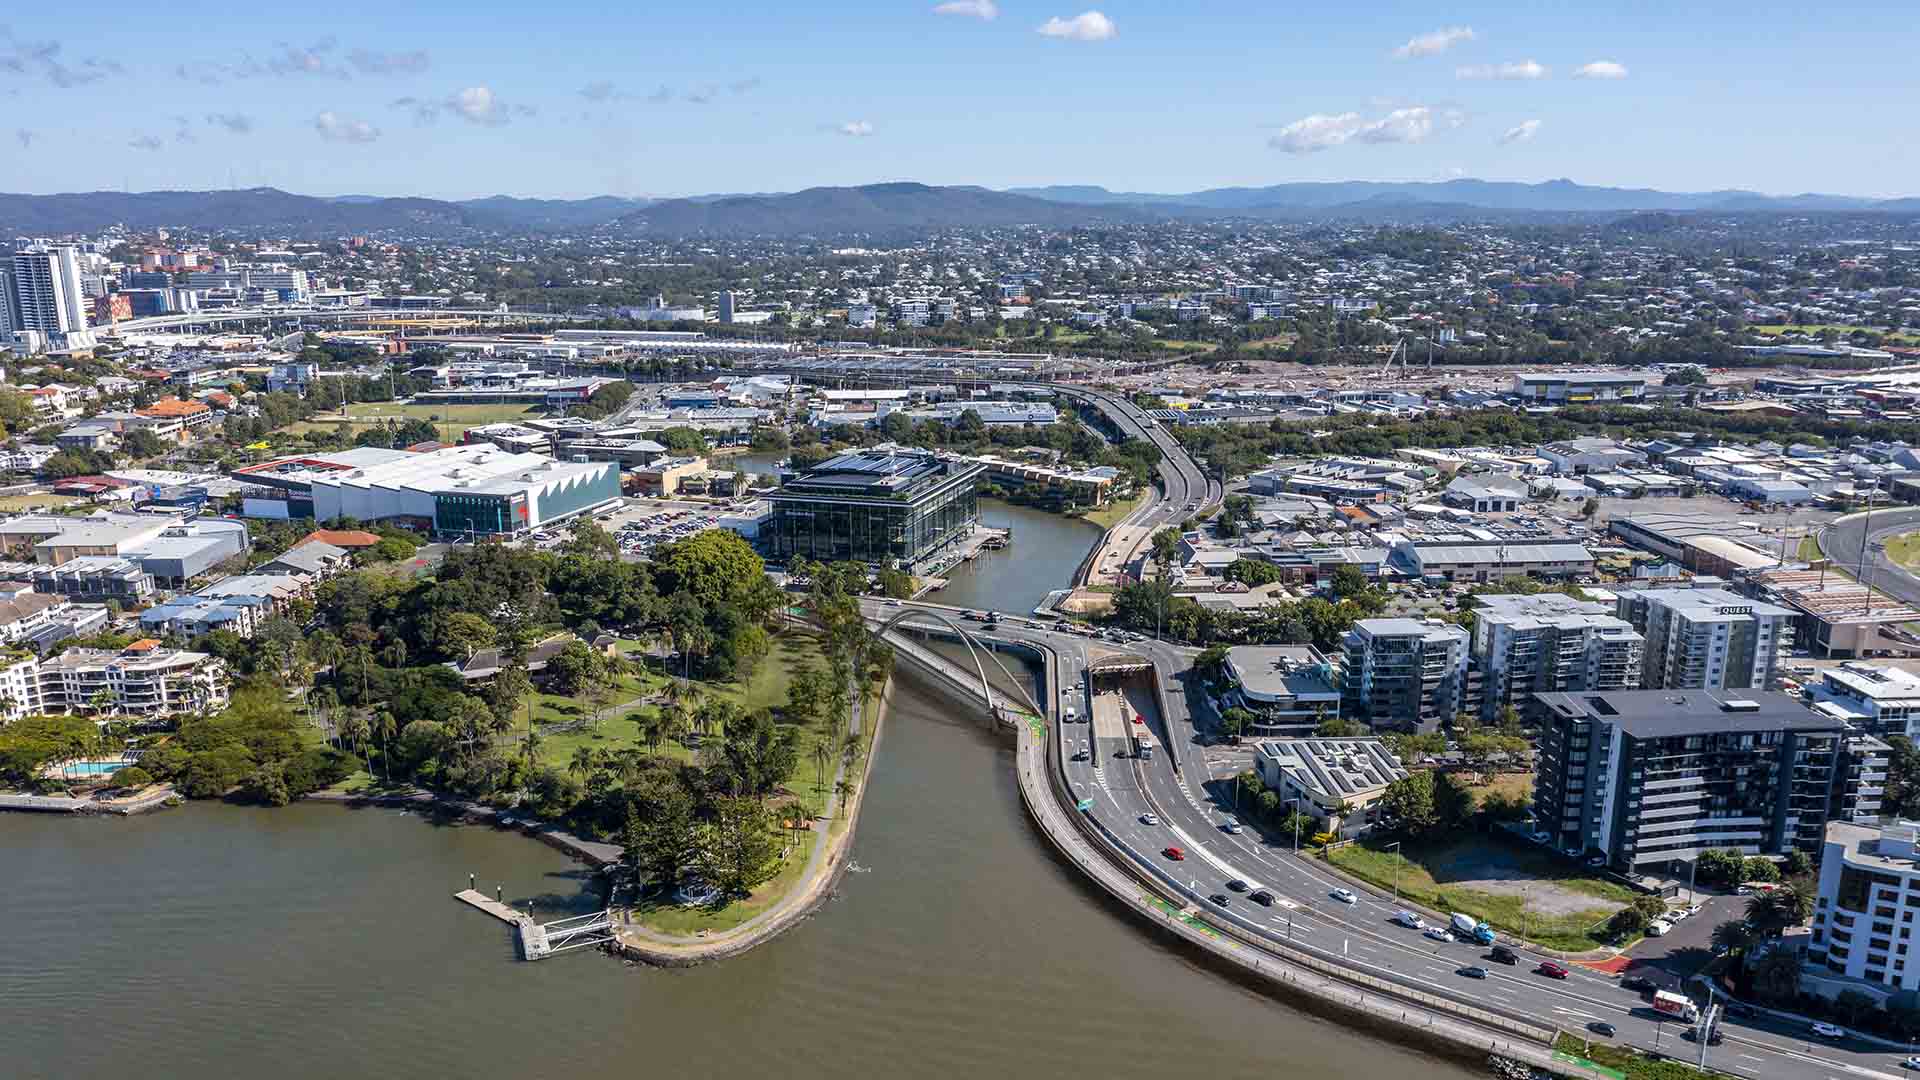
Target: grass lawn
{"points": [[1511, 785], [1557, 917], [1109, 515], [37, 502], [453, 420], [1905, 549]]}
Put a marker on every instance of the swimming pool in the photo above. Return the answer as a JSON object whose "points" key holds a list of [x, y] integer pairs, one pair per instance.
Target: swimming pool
{"points": [[88, 770]]}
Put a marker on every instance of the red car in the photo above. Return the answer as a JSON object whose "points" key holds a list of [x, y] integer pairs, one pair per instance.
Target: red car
{"points": [[1139, 721], [1175, 854], [1551, 970]]}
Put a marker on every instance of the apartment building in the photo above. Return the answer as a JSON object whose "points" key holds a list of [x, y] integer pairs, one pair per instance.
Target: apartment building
{"points": [[1706, 639], [143, 680], [1548, 642], [1289, 689], [1648, 779], [1404, 673], [1883, 700], [1864, 916]]}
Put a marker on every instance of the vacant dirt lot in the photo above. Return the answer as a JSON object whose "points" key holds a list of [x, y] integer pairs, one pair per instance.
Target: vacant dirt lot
{"points": [[1510, 873]]}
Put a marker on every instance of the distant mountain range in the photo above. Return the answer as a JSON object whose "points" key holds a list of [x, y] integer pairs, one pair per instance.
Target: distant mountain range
{"points": [[882, 209], [873, 208], [1551, 196]]}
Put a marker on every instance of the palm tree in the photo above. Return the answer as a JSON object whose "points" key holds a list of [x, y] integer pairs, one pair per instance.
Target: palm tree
{"points": [[384, 728], [1732, 937], [844, 789], [354, 730], [581, 765], [821, 756], [653, 731], [1773, 912]]}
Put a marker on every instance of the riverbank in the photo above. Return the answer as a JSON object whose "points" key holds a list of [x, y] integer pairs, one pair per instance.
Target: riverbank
{"points": [[788, 902], [594, 853], [145, 800]]}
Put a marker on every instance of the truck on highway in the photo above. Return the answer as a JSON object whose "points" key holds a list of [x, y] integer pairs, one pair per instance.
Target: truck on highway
{"points": [[1143, 746], [1468, 928], [1678, 1006]]}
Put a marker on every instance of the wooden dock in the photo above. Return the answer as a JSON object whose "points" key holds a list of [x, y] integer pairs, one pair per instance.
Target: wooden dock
{"points": [[531, 935], [538, 940]]}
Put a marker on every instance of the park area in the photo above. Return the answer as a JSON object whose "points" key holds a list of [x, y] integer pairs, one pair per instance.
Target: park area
{"points": [[1520, 890]]}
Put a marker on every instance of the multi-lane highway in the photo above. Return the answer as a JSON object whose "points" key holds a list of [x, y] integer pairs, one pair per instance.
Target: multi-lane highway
{"points": [[1184, 489], [1862, 537], [1188, 813]]}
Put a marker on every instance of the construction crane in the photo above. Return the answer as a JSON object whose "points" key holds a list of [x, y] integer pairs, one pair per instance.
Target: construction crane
{"points": [[1400, 352]]}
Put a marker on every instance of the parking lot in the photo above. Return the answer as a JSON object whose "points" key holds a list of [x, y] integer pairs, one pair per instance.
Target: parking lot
{"points": [[640, 531], [1668, 960]]}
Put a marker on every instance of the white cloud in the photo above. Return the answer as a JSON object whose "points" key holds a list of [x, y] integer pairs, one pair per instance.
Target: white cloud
{"points": [[478, 104], [975, 9], [1521, 132], [1517, 69], [1323, 131], [1435, 43], [336, 128], [1086, 26], [855, 128], [1601, 69]]}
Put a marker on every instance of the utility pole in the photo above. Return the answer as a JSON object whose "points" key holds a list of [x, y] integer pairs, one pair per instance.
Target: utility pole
{"points": [[1395, 848]]}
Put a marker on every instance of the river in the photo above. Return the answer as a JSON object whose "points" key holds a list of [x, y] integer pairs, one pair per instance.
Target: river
{"points": [[1046, 550], [317, 941]]}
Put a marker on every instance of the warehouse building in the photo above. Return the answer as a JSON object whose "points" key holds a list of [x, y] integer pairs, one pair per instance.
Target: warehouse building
{"points": [[477, 490], [1555, 388], [1490, 560]]}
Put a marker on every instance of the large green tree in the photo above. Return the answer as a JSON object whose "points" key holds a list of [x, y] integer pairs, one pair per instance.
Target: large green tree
{"points": [[737, 848]]}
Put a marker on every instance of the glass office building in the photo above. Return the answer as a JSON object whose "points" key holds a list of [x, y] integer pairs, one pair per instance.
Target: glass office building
{"points": [[888, 509]]}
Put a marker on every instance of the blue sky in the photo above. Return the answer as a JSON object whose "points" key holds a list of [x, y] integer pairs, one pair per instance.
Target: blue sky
{"points": [[564, 99]]}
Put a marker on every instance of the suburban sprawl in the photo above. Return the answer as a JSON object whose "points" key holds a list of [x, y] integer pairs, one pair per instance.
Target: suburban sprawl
{"points": [[1508, 633]]}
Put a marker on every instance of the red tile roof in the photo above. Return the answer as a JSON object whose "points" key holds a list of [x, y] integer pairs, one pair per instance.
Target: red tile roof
{"points": [[342, 538]]}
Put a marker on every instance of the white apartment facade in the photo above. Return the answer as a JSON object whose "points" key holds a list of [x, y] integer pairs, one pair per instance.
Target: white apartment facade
{"points": [[1707, 639], [1526, 644]]}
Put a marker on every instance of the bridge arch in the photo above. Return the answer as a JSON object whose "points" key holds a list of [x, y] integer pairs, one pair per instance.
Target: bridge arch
{"points": [[974, 649]]}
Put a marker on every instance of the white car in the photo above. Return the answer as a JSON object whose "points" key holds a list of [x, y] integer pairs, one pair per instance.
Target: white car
{"points": [[1233, 826], [1658, 928], [1911, 1063], [1411, 921], [1439, 933], [1345, 896], [1828, 1031], [1149, 819]]}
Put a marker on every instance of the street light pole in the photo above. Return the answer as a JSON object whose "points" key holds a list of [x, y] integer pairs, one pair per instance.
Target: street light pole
{"points": [[1395, 847]]}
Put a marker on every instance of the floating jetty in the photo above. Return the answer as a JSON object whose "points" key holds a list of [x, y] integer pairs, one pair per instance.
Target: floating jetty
{"points": [[538, 941]]}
